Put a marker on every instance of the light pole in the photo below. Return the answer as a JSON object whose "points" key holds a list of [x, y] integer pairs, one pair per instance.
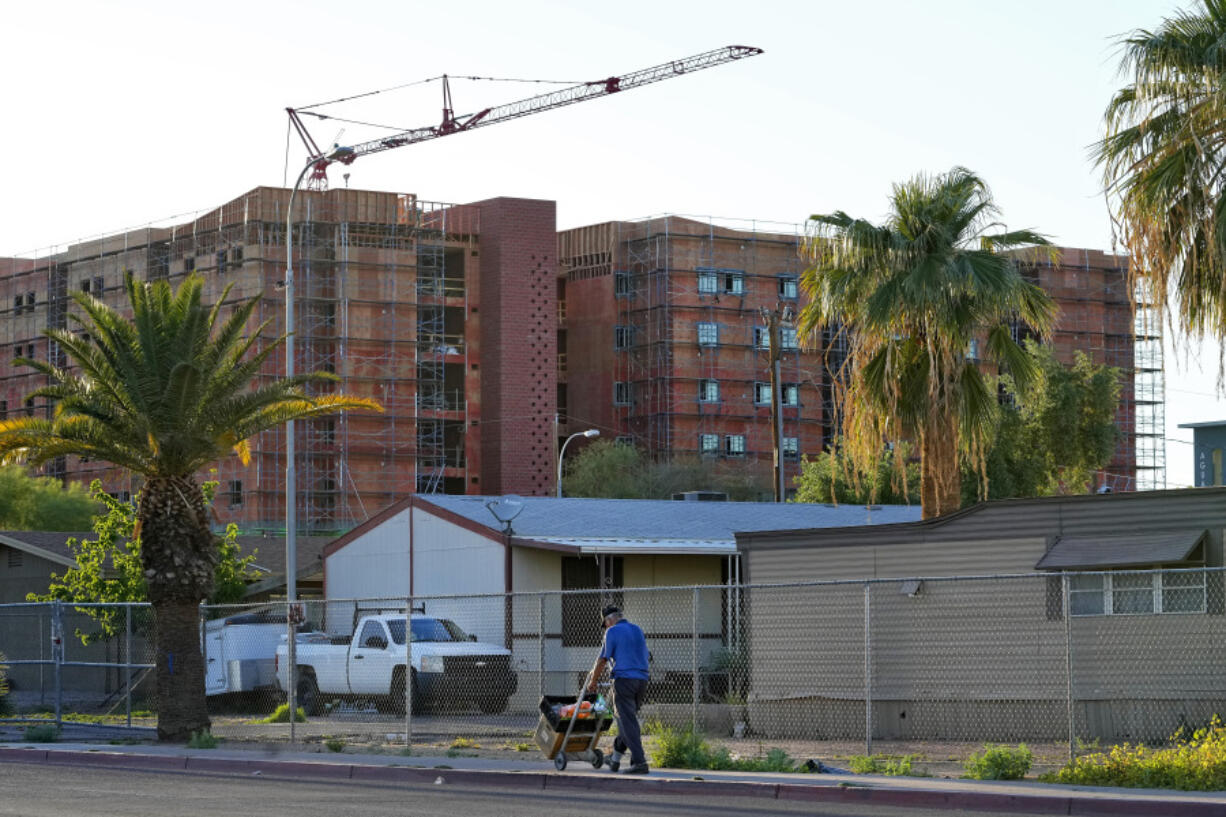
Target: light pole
{"points": [[591, 432], [337, 153]]}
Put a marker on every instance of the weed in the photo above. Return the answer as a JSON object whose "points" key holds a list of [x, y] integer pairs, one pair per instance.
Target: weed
{"points": [[685, 749], [1195, 763], [335, 744], [891, 766], [43, 733], [406, 752], [999, 763], [525, 747], [281, 715], [202, 740], [465, 743]]}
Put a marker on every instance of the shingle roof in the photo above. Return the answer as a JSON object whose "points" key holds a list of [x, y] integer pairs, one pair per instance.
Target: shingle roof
{"points": [[635, 524], [43, 543]]}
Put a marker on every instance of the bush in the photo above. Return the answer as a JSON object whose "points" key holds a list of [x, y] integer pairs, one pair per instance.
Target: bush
{"points": [[1196, 763], [281, 715], [43, 733], [6, 706], [999, 763], [684, 749], [202, 740], [884, 764], [335, 744]]}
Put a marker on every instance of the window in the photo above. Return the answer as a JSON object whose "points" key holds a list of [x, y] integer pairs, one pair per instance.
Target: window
{"points": [[373, 636], [787, 287], [622, 336], [708, 445], [708, 281], [761, 394], [85, 284], [787, 338], [581, 611], [235, 493], [4, 409], [972, 350], [623, 440], [30, 302], [29, 406], [189, 263], [733, 282], [791, 394], [221, 260], [791, 448], [621, 284], [734, 445], [1122, 594], [708, 391], [30, 351], [708, 334], [236, 255], [761, 338], [621, 393]]}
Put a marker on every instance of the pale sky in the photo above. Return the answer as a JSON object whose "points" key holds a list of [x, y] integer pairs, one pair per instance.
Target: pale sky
{"points": [[118, 114]]}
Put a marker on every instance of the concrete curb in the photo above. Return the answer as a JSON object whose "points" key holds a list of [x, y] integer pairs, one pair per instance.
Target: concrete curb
{"points": [[1090, 804]]}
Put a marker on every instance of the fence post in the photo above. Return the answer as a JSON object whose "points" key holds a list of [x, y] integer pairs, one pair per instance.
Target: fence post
{"points": [[1068, 666], [868, 669], [291, 669], [540, 643], [408, 675], [57, 655], [694, 663], [127, 660]]}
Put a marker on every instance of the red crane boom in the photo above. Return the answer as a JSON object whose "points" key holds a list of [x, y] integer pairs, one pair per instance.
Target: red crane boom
{"points": [[512, 110]]}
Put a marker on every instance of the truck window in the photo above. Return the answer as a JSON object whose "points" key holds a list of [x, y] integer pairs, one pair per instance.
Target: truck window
{"points": [[372, 630], [427, 629]]}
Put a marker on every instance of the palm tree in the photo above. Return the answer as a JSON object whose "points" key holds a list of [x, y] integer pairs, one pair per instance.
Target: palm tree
{"points": [[163, 395], [1163, 159], [911, 297]]}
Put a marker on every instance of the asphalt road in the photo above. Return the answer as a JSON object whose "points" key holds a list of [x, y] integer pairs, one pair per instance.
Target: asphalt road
{"points": [[37, 790]]}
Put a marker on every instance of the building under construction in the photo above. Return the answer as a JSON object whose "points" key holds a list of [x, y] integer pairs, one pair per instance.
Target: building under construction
{"points": [[665, 343], [405, 301]]}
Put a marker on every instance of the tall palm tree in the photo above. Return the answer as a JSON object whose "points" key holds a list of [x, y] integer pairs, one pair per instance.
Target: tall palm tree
{"points": [[911, 296], [1163, 159], [163, 395]]}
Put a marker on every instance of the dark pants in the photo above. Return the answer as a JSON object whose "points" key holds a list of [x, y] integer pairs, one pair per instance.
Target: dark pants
{"points": [[628, 696]]}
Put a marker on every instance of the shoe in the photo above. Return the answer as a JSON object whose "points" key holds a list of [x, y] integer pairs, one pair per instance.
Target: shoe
{"points": [[614, 765], [637, 768]]}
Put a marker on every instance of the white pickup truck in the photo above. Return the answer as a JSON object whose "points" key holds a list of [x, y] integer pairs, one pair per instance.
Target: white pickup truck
{"points": [[447, 666]]}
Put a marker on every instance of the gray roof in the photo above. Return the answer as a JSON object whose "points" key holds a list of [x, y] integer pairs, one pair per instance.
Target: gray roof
{"points": [[657, 525], [1121, 551]]}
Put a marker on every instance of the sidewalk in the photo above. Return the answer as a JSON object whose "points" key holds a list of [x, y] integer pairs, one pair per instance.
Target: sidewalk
{"points": [[1008, 797]]}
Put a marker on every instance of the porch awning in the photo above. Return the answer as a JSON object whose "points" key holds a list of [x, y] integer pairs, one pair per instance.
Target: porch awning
{"points": [[1133, 550], [657, 547]]}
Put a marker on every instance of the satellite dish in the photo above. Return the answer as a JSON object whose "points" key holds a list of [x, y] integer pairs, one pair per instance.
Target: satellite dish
{"points": [[505, 508]]}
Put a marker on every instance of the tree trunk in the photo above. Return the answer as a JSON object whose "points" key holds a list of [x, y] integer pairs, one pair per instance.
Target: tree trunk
{"points": [[179, 554], [940, 472]]}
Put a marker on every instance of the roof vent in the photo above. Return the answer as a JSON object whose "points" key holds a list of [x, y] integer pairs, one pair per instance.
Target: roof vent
{"points": [[701, 496]]}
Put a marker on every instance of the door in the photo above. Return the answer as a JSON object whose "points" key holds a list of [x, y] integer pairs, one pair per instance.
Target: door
{"points": [[215, 664], [371, 661]]}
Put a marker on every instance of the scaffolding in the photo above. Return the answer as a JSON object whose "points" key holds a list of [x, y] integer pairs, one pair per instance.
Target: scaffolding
{"points": [[380, 296]]}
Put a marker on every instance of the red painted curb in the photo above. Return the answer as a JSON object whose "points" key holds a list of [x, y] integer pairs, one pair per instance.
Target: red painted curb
{"points": [[24, 755], [116, 759], [471, 777], [650, 785], [1118, 807], [288, 768]]}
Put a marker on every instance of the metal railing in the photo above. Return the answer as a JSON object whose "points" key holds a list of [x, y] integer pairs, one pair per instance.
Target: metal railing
{"points": [[1051, 658]]}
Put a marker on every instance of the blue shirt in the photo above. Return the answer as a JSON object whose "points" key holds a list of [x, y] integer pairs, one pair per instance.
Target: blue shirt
{"points": [[626, 647]]}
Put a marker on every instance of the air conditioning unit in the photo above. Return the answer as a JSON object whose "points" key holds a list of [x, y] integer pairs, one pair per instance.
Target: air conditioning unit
{"points": [[701, 496]]}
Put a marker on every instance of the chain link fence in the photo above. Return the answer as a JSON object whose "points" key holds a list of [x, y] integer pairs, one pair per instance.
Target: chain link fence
{"points": [[866, 664]]}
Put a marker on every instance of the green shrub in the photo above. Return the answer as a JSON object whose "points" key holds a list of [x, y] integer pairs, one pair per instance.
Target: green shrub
{"points": [[281, 715], [43, 733], [6, 706], [1196, 763], [684, 749], [884, 764], [335, 744], [465, 743], [999, 763], [202, 740]]}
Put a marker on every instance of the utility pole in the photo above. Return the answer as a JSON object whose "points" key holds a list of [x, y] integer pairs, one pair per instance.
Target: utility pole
{"points": [[774, 320]]}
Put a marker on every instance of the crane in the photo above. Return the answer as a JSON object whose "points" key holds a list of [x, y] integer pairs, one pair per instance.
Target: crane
{"points": [[452, 124]]}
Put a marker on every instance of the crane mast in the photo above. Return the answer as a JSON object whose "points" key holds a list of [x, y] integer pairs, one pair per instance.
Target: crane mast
{"points": [[540, 103]]}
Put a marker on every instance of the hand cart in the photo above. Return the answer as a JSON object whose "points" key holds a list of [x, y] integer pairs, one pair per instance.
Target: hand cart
{"points": [[574, 737]]}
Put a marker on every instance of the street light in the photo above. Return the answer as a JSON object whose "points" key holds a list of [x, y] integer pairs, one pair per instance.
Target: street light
{"points": [[591, 432], [337, 154]]}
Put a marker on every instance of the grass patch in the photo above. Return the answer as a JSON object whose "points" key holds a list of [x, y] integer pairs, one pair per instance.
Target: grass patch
{"points": [[281, 715], [202, 740], [465, 743], [1190, 763], [889, 765], [999, 763], [525, 747], [335, 744], [43, 733]]}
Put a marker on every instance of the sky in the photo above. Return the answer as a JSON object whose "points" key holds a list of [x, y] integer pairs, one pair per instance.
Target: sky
{"points": [[120, 114]]}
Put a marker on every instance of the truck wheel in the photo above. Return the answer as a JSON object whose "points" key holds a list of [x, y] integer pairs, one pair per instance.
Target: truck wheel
{"points": [[492, 706], [396, 698], [308, 693]]}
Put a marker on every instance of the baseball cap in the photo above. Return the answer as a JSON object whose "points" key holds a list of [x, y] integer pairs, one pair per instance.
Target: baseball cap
{"points": [[612, 609]]}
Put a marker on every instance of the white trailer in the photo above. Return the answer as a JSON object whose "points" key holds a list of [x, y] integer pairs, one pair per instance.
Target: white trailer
{"points": [[240, 651]]}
